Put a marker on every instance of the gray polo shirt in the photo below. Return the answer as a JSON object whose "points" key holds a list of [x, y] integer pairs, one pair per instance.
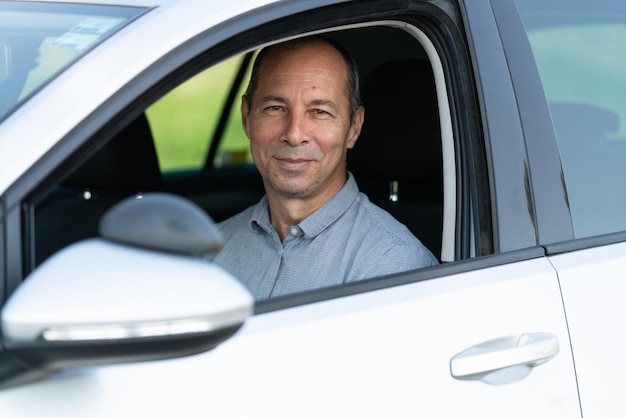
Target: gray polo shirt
{"points": [[347, 239]]}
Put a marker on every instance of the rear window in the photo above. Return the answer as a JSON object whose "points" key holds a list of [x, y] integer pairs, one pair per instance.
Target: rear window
{"points": [[580, 52], [40, 40]]}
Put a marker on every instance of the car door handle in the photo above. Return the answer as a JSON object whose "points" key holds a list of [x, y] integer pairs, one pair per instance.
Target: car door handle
{"points": [[506, 359]]}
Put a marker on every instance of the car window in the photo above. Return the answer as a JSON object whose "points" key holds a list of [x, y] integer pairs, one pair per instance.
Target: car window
{"points": [[39, 40], [580, 53], [185, 121]]}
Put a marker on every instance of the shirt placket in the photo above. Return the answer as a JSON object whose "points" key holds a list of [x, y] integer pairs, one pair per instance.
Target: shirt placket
{"points": [[284, 248]]}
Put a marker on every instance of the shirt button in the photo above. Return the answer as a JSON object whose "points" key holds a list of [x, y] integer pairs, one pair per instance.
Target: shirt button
{"points": [[293, 230]]}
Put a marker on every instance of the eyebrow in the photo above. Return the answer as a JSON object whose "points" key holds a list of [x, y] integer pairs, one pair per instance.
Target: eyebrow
{"points": [[270, 98]]}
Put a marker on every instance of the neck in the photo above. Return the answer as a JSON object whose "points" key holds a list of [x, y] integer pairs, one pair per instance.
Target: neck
{"points": [[284, 214], [286, 211]]}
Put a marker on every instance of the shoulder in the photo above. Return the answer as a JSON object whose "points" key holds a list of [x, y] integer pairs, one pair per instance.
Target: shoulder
{"points": [[382, 221], [389, 237]]}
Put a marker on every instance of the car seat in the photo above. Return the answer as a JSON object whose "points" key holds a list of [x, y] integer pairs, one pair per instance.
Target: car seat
{"points": [[397, 160]]}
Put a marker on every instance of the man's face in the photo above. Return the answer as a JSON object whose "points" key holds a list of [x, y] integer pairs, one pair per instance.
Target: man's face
{"points": [[298, 121]]}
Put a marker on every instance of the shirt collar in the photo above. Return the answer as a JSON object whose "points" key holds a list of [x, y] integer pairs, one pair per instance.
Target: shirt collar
{"points": [[319, 220]]}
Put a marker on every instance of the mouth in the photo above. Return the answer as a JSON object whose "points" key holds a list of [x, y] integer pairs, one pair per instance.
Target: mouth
{"points": [[293, 164]]}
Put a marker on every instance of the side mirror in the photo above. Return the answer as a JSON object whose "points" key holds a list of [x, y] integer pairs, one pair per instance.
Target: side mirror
{"points": [[129, 296]]}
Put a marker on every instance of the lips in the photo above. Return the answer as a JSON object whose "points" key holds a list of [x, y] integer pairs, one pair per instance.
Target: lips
{"points": [[293, 164]]}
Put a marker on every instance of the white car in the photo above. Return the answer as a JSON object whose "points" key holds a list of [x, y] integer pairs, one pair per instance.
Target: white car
{"points": [[495, 130]]}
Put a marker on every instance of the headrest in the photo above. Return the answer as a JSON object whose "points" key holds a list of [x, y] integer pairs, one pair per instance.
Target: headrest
{"points": [[401, 139], [127, 162]]}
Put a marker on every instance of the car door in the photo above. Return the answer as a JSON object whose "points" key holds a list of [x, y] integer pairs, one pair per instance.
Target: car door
{"points": [[593, 289], [578, 54], [390, 352], [484, 333]]}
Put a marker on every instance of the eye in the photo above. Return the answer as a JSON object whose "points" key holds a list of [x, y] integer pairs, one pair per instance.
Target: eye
{"points": [[320, 113], [273, 109]]}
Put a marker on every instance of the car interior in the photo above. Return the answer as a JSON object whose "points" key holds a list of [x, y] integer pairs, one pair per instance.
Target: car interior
{"points": [[397, 161]]}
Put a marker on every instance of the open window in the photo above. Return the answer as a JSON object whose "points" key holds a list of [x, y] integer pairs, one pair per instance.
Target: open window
{"points": [[186, 139]]}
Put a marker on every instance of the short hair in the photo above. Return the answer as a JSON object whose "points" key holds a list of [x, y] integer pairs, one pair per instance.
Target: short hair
{"points": [[352, 80]]}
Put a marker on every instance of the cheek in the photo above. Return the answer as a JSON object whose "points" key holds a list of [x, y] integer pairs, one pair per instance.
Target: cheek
{"points": [[262, 137], [264, 130], [258, 153], [333, 140]]}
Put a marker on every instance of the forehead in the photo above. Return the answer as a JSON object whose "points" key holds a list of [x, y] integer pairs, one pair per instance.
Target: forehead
{"points": [[309, 62]]}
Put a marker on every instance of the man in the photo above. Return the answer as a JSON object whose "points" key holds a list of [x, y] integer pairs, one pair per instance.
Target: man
{"points": [[313, 228]]}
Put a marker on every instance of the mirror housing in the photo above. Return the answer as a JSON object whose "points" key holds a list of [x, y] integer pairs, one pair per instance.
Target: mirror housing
{"points": [[104, 302], [164, 222]]}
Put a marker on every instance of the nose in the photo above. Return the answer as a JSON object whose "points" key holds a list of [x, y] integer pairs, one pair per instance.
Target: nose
{"points": [[295, 130]]}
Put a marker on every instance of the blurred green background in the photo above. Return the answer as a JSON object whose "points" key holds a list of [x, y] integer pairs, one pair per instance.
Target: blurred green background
{"points": [[184, 120]]}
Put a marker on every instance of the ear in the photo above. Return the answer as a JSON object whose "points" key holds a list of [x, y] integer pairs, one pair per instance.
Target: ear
{"points": [[245, 111], [355, 127]]}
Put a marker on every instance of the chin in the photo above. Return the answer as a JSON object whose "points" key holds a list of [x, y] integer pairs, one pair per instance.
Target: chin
{"points": [[294, 190]]}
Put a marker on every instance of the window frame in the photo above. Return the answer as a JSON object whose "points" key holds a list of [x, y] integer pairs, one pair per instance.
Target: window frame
{"points": [[549, 196]]}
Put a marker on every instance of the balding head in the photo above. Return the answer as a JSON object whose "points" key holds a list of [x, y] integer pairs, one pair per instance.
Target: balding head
{"points": [[313, 45]]}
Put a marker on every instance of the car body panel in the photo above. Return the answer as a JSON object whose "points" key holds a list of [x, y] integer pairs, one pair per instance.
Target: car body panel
{"points": [[373, 354], [593, 286]]}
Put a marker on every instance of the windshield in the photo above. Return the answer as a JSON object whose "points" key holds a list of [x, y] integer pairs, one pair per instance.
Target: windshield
{"points": [[39, 40], [580, 52]]}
